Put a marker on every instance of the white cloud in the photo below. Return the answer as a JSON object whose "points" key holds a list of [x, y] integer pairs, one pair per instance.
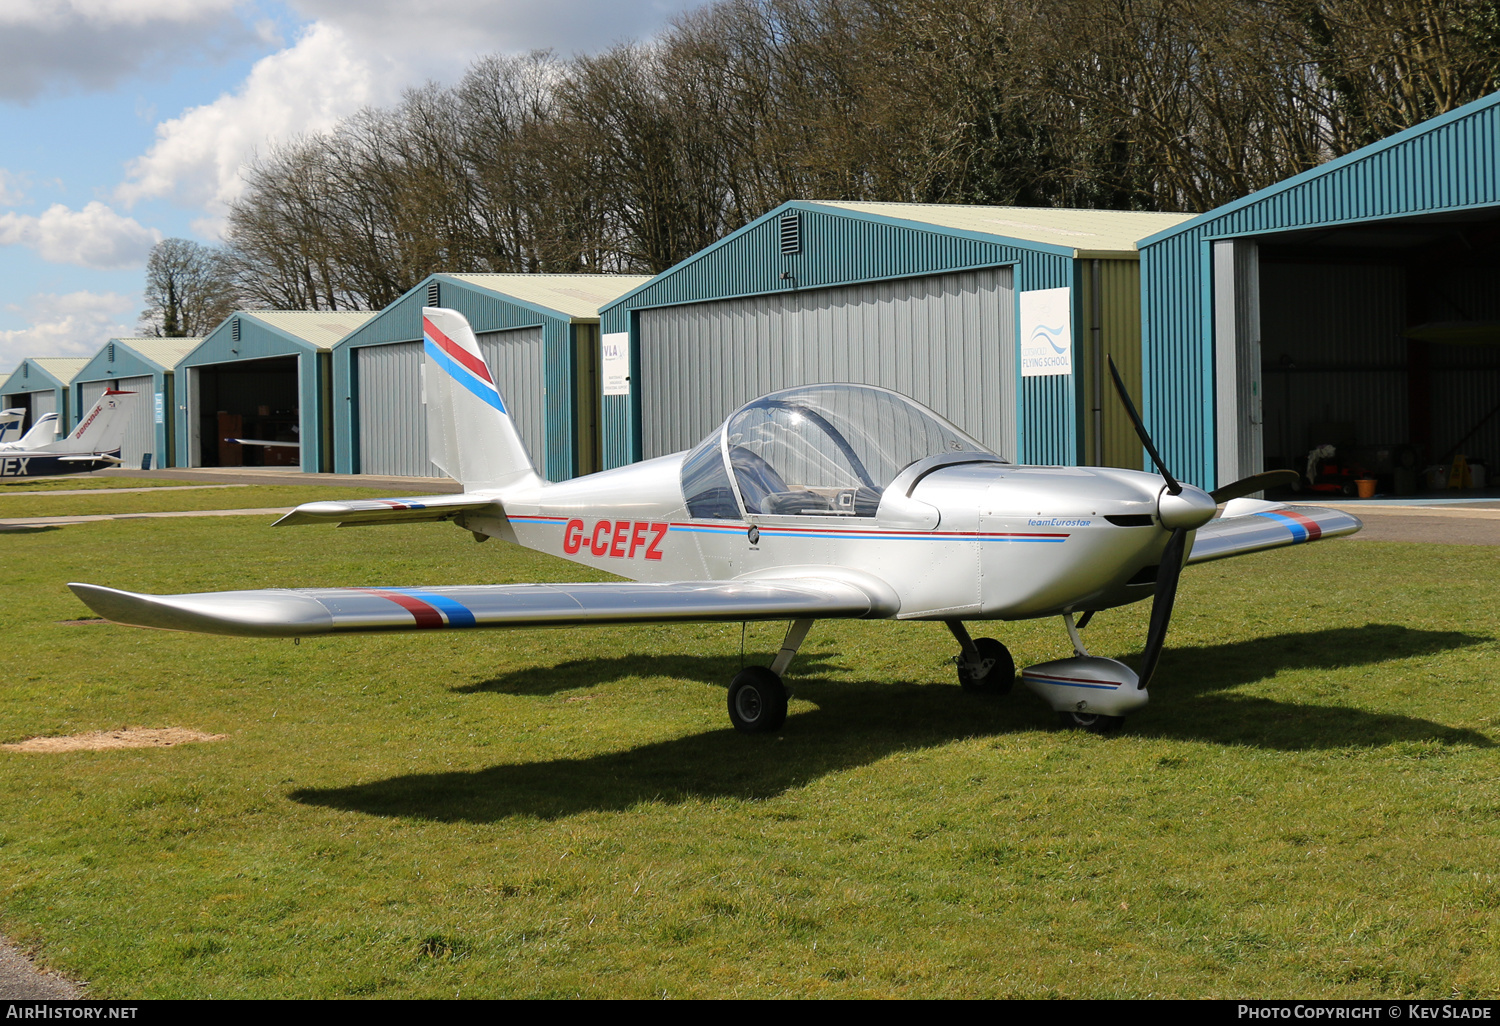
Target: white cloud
{"points": [[197, 157], [490, 26], [72, 324], [93, 44], [11, 186], [95, 236]]}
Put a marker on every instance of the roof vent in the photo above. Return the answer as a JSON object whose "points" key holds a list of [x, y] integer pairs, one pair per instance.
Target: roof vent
{"points": [[432, 293], [111, 348], [234, 330], [791, 233]]}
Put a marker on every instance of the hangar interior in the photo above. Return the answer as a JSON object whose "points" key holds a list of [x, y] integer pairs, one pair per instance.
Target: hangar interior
{"points": [[257, 399], [1380, 338]]}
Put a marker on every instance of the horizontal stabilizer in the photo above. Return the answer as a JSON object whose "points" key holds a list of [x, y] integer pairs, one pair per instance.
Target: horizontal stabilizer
{"points": [[1248, 525], [416, 510], [287, 613], [93, 457]]}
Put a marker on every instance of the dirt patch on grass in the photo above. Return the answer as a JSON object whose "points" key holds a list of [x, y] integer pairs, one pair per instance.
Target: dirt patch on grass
{"points": [[146, 737]]}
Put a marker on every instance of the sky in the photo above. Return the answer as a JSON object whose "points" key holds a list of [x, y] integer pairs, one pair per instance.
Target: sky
{"points": [[127, 121]]}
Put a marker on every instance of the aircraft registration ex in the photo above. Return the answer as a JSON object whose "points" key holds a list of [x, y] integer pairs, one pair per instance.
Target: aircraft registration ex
{"points": [[817, 501]]}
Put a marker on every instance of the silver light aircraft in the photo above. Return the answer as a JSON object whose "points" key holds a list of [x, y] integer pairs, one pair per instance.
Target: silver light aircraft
{"points": [[821, 501], [93, 445]]}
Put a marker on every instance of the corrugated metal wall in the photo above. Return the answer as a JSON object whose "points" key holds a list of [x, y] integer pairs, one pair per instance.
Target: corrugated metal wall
{"points": [[392, 425], [1120, 338], [140, 434], [947, 341], [518, 360], [392, 431], [45, 402]]}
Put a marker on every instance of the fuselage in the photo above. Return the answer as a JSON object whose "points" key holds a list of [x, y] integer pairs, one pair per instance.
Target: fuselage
{"points": [[962, 536]]}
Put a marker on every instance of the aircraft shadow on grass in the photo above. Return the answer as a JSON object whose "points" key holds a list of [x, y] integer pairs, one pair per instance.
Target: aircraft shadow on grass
{"points": [[855, 724]]}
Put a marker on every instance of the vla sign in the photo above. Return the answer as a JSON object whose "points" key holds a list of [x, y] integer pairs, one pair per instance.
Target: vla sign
{"points": [[614, 362]]}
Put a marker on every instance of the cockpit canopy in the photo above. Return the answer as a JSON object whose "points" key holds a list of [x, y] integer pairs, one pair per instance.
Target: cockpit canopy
{"points": [[815, 450]]}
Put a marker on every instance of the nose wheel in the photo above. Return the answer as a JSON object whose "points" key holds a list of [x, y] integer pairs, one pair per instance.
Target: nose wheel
{"points": [[985, 667]]}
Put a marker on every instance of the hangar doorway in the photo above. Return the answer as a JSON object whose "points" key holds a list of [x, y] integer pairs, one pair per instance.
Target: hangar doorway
{"points": [[1380, 339], [254, 400]]}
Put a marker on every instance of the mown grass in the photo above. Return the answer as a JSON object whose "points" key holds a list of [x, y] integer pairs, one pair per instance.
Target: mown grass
{"points": [[1308, 808], [71, 482], [251, 497]]}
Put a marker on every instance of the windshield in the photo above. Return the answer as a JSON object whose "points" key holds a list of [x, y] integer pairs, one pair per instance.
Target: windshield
{"points": [[818, 450]]}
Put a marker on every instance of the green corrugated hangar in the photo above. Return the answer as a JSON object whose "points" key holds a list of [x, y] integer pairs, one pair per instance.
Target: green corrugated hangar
{"points": [[145, 366], [540, 336], [1355, 305], [40, 386], [256, 390], [999, 318]]}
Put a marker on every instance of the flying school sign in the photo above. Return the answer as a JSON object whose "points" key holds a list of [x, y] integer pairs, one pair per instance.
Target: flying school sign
{"points": [[1046, 332]]}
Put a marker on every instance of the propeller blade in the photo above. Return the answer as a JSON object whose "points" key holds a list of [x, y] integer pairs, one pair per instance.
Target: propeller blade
{"points": [[1167, 576], [1140, 428], [1256, 483]]}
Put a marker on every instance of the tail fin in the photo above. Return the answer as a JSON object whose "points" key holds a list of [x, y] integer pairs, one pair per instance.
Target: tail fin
{"points": [[103, 428], [43, 432], [470, 433], [10, 424]]}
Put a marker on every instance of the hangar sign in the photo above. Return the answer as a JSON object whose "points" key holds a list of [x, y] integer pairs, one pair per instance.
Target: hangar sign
{"points": [[614, 363], [1046, 332]]}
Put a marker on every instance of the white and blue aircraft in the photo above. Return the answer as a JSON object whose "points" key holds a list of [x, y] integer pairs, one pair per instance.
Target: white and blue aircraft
{"points": [[10, 424], [814, 502], [92, 445]]}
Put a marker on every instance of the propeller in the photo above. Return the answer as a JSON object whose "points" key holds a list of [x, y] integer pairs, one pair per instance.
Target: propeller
{"points": [[1255, 483], [1181, 516]]}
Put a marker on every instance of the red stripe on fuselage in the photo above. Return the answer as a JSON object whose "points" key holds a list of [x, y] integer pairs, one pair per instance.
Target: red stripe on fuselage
{"points": [[1314, 532], [425, 615], [457, 351]]}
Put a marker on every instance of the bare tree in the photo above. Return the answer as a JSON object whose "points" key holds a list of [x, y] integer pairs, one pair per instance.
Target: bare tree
{"points": [[189, 289]]}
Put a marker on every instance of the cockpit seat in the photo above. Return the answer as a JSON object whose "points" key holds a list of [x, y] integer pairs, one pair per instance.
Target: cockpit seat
{"points": [[758, 480]]}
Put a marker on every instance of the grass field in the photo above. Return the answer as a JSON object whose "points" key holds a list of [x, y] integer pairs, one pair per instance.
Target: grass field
{"points": [[251, 497], [1308, 808], [72, 482]]}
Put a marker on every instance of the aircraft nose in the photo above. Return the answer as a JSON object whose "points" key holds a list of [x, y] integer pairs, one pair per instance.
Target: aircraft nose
{"points": [[1190, 508]]}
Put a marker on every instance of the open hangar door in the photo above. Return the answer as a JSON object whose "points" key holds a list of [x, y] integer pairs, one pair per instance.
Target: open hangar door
{"points": [[946, 340], [250, 399], [1381, 339], [140, 431]]}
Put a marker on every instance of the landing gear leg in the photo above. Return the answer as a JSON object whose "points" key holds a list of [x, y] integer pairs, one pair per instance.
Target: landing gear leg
{"points": [[757, 697], [985, 666]]}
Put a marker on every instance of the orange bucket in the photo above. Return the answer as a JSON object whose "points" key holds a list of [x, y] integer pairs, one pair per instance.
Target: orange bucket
{"points": [[1366, 487]]}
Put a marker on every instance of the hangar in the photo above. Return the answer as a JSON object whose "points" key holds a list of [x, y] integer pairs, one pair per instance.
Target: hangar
{"points": [[540, 336], [999, 318], [144, 366], [261, 376], [40, 386], [1355, 305]]}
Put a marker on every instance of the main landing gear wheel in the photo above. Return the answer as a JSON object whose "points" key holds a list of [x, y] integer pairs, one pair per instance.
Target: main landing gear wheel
{"points": [[757, 701], [1094, 723], [996, 672]]}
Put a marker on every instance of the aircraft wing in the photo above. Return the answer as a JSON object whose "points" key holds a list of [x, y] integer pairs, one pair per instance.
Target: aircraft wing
{"points": [[388, 511], [1248, 525], [288, 613]]}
